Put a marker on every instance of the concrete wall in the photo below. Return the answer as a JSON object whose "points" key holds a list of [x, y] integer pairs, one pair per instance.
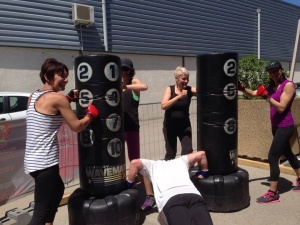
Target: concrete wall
{"points": [[19, 70], [254, 128]]}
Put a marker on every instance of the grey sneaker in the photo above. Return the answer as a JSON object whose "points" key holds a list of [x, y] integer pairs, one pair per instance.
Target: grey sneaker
{"points": [[268, 197], [149, 203]]}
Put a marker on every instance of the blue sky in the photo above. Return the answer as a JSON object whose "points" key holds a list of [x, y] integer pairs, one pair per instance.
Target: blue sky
{"points": [[295, 2]]}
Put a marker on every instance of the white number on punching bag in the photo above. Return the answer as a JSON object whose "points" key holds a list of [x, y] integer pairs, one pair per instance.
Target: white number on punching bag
{"points": [[230, 126], [84, 72], [112, 97], [114, 147], [230, 67], [85, 98], [113, 122], [111, 71], [230, 91], [87, 137]]}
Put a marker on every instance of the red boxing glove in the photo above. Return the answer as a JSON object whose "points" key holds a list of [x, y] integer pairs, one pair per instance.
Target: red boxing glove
{"points": [[241, 86], [262, 92], [91, 112], [71, 96]]}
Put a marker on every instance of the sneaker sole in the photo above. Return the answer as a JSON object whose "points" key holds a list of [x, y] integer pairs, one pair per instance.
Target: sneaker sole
{"points": [[275, 201]]}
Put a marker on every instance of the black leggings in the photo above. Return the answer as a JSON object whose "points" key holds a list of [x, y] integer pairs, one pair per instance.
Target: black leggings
{"points": [[187, 209], [182, 130], [281, 146], [49, 189]]}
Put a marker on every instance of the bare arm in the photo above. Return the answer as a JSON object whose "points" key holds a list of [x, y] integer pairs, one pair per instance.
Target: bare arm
{"points": [[250, 93], [198, 157], [194, 91], [70, 117], [285, 98], [136, 86], [135, 166], [167, 102]]}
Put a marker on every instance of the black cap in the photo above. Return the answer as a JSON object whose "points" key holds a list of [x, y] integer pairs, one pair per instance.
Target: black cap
{"points": [[125, 62], [273, 65]]}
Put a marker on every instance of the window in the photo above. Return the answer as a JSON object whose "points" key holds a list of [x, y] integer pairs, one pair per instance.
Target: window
{"points": [[17, 104], [1, 104]]}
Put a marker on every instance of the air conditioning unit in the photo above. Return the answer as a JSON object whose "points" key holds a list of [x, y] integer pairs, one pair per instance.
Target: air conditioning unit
{"points": [[82, 14]]}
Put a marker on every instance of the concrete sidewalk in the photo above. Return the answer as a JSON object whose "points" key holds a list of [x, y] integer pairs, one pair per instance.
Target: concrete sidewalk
{"points": [[285, 212]]}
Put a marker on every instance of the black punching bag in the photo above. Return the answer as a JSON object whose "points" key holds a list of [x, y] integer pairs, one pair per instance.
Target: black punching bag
{"points": [[217, 110], [102, 169], [227, 187]]}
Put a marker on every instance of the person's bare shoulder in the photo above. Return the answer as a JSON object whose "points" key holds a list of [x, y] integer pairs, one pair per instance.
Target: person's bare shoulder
{"points": [[55, 98]]}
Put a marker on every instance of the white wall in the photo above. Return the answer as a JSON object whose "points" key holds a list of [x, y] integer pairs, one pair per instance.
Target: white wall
{"points": [[19, 70]]}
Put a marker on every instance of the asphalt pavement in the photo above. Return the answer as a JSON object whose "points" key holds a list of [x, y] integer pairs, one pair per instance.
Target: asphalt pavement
{"points": [[286, 212]]}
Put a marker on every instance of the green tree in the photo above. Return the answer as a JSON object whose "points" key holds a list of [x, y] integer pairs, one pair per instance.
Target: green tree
{"points": [[251, 72]]}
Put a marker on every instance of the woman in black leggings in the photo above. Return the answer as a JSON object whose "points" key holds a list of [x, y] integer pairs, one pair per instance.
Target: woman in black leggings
{"points": [[280, 95], [176, 101]]}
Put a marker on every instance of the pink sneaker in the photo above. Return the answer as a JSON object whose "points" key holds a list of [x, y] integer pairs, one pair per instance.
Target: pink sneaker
{"points": [[268, 197], [297, 187]]}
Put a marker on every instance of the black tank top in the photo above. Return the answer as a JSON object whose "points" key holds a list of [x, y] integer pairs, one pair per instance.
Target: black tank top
{"points": [[131, 113], [180, 109]]}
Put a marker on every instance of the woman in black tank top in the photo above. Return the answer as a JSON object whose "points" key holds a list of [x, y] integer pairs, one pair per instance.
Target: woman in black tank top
{"points": [[176, 102], [131, 97]]}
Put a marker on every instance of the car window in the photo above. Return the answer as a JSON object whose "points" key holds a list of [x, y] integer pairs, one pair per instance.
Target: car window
{"points": [[1, 104], [17, 103]]}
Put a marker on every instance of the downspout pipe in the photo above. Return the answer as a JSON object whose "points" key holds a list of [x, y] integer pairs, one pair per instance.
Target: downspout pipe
{"points": [[258, 32], [104, 25]]}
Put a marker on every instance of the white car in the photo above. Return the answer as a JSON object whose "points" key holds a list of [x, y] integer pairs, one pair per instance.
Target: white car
{"points": [[13, 105]]}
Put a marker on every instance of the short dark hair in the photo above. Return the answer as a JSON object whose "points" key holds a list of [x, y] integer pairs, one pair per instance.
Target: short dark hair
{"points": [[51, 67]]}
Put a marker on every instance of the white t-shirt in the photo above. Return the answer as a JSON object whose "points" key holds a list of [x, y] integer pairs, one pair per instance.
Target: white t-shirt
{"points": [[168, 178]]}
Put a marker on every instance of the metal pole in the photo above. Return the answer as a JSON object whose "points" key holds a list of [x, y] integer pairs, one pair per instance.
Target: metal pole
{"points": [[258, 32], [104, 25], [295, 52]]}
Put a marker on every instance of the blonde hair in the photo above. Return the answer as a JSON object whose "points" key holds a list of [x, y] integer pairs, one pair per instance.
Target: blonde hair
{"points": [[181, 71]]}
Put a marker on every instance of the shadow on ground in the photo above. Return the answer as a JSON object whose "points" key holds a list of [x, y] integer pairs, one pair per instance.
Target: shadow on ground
{"points": [[284, 185]]}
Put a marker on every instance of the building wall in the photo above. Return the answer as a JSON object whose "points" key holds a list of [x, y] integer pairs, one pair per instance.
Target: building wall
{"points": [[177, 27], [19, 69], [47, 24]]}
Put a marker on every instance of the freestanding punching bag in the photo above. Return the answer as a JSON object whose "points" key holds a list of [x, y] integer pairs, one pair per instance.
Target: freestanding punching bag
{"points": [[102, 168], [102, 197], [227, 187]]}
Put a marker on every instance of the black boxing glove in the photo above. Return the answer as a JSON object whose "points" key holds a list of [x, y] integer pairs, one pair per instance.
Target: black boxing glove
{"points": [[71, 96]]}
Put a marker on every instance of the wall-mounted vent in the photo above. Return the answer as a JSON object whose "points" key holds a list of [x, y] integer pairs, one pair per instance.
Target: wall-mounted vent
{"points": [[82, 14]]}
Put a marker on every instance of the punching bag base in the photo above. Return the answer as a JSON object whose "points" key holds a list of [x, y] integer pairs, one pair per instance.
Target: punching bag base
{"points": [[225, 193], [120, 209]]}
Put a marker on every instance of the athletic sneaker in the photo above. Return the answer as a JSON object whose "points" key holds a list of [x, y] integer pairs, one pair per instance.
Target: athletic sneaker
{"points": [[268, 197], [297, 187], [149, 203]]}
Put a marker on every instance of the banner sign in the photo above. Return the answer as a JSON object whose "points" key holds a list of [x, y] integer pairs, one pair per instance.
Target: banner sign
{"points": [[13, 180]]}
